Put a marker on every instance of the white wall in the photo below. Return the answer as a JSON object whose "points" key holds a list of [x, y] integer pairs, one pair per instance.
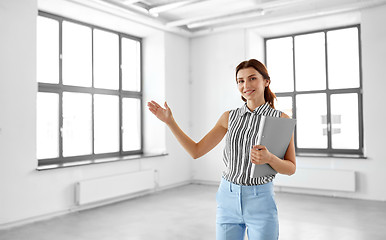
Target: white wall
{"points": [[213, 91], [177, 167], [214, 58], [29, 194], [373, 33]]}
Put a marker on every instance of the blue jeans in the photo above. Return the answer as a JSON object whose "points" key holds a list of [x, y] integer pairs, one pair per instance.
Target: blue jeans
{"points": [[246, 207]]}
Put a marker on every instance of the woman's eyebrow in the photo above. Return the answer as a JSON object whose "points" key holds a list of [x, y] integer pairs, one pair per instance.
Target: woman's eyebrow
{"points": [[248, 76]]}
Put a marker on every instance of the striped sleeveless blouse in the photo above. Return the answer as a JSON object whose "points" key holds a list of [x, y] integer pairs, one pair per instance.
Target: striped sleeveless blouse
{"points": [[243, 126]]}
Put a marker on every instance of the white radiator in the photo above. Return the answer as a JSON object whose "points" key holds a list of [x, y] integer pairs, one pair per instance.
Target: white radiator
{"points": [[321, 179], [105, 188]]}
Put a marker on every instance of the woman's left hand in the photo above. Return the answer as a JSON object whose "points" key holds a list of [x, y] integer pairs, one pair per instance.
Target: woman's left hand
{"points": [[260, 155]]}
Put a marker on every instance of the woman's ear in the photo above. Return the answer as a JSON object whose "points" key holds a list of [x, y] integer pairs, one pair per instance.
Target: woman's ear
{"points": [[267, 82]]}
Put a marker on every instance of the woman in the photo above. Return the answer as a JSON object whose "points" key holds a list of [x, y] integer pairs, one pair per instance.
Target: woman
{"points": [[242, 202]]}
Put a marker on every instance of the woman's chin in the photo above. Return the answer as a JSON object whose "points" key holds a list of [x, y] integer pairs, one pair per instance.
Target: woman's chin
{"points": [[248, 97]]}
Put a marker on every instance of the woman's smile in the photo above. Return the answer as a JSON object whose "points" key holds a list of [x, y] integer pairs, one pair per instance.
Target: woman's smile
{"points": [[249, 92]]}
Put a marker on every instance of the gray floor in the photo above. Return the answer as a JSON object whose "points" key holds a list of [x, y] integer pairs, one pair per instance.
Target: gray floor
{"points": [[188, 212]]}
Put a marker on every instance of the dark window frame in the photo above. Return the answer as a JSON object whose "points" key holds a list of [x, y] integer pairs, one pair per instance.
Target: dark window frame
{"points": [[59, 89], [329, 151]]}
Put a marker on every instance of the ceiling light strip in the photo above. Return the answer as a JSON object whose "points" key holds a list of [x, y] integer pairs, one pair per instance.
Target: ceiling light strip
{"points": [[170, 6], [114, 10], [231, 18], [264, 6], [295, 17]]}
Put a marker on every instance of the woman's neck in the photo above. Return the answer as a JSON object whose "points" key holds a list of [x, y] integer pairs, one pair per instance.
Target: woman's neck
{"points": [[253, 104]]}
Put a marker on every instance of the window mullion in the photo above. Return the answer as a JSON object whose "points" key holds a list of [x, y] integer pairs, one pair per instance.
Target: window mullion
{"points": [[120, 97], [61, 126], [329, 125], [360, 93], [328, 95], [360, 117], [92, 96], [60, 91]]}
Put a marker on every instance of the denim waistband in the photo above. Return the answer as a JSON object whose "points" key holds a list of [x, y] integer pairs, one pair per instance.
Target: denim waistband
{"points": [[232, 187]]}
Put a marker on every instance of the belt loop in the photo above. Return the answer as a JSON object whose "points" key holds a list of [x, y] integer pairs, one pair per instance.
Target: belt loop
{"points": [[230, 187], [255, 190]]}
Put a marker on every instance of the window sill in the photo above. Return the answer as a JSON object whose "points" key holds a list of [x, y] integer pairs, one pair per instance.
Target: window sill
{"points": [[98, 161], [331, 155]]}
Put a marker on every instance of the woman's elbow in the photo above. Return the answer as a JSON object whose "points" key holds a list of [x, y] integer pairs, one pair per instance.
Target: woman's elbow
{"points": [[292, 171], [195, 155]]}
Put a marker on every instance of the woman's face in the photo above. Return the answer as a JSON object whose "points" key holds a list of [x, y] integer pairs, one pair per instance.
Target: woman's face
{"points": [[251, 83]]}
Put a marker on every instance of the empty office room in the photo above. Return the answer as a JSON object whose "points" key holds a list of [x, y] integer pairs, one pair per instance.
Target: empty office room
{"points": [[137, 120]]}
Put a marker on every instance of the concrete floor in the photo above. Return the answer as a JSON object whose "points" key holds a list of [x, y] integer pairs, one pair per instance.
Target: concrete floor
{"points": [[188, 212]]}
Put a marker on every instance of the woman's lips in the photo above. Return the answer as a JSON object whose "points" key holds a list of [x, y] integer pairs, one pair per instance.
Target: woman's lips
{"points": [[249, 92]]}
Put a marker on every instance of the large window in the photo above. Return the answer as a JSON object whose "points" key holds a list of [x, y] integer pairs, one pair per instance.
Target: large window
{"points": [[90, 97], [317, 80]]}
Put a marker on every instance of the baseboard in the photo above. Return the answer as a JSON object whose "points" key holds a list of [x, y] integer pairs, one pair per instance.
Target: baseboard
{"points": [[205, 182], [77, 208]]}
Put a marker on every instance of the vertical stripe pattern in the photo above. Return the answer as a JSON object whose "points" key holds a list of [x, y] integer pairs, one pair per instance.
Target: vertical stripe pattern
{"points": [[243, 126]]}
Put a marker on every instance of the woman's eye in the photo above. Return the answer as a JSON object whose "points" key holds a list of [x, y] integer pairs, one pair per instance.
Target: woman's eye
{"points": [[253, 78], [241, 81]]}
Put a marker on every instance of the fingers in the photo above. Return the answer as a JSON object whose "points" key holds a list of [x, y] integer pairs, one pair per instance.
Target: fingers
{"points": [[153, 111], [153, 107], [257, 155], [154, 104], [259, 147]]}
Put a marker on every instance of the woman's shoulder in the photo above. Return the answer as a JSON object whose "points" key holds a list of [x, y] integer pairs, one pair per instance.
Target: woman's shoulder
{"points": [[223, 121], [240, 110], [226, 114], [272, 111]]}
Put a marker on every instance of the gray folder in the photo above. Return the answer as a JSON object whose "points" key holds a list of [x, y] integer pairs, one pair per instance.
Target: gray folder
{"points": [[275, 134]]}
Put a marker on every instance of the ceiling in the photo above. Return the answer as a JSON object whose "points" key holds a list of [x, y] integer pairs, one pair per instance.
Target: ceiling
{"points": [[194, 17]]}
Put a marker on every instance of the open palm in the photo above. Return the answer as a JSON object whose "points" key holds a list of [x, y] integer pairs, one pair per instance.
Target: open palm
{"points": [[163, 114]]}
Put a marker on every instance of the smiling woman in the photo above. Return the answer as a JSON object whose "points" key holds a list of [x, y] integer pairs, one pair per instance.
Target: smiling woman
{"points": [[237, 203]]}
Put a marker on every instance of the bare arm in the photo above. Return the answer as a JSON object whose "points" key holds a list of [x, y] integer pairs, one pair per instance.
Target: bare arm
{"points": [[261, 155], [199, 149]]}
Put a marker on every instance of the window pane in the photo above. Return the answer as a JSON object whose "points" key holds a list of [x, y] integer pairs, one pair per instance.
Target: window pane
{"points": [[106, 131], [280, 64], [343, 58], [344, 121], [311, 112], [77, 55], [77, 124], [131, 65], [284, 104], [310, 66], [106, 60], [47, 50], [47, 125], [131, 124]]}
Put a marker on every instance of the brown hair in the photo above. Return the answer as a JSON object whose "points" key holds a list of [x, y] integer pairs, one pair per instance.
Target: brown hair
{"points": [[269, 96]]}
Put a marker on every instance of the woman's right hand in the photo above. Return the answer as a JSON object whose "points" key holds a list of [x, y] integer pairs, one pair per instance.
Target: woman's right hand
{"points": [[163, 114]]}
